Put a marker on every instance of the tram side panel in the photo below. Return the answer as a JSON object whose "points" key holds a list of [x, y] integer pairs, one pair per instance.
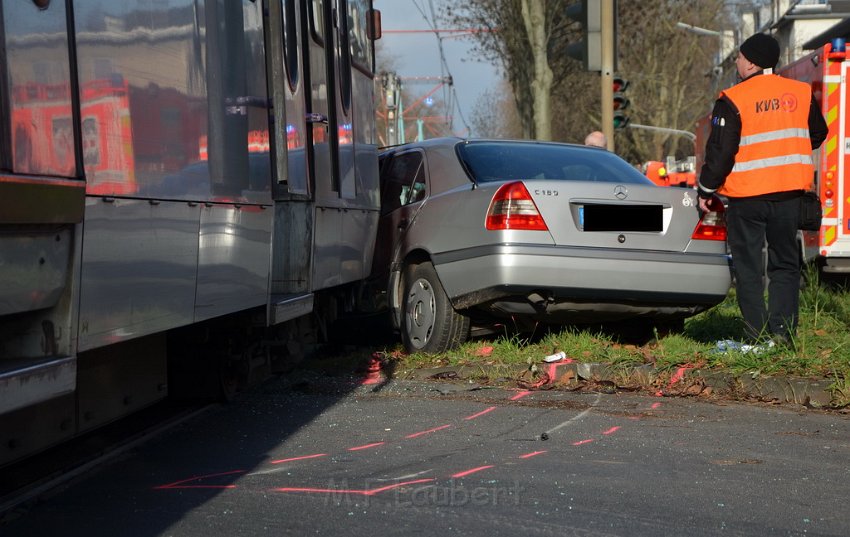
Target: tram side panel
{"points": [[175, 224], [157, 212], [159, 238], [41, 210]]}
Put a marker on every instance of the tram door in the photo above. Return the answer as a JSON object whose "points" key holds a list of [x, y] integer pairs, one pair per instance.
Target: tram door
{"points": [[293, 193], [330, 99], [328, 141], [310, 78]]}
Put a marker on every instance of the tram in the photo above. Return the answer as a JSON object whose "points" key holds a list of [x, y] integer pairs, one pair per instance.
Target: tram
{"points": [[182, 184]]}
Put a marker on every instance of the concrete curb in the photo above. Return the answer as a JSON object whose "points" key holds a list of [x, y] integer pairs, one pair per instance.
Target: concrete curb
{"points": [[682, 382]]}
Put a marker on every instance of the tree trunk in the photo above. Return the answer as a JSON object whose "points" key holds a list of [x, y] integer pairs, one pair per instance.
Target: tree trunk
{"points": [[541, 85]]}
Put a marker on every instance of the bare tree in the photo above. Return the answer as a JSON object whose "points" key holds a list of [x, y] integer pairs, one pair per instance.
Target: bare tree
{"points": [[521, 37], [534, 19], [670, 70], [670, 74], [494, 114]]}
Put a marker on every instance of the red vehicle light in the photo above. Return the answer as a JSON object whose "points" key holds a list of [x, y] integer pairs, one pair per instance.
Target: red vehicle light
{"points": [[712, 225], [513, 208]]}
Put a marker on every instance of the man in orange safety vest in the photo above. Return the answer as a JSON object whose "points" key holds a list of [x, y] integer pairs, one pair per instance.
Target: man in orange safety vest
{"points": [[759, 155]]}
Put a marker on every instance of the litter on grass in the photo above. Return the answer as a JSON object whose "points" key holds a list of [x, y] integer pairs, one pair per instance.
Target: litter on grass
{"points": [[727, 345]]}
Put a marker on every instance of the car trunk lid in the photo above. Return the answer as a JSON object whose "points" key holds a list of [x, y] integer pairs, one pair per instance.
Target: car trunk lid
{"points": [[614, 215]]}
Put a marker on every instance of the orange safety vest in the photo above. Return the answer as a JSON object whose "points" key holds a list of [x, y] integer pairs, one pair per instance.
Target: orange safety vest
{"points": [[775, 152]]}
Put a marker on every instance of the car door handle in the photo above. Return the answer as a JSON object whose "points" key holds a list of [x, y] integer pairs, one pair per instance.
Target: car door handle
{"points": [[402, 224]]}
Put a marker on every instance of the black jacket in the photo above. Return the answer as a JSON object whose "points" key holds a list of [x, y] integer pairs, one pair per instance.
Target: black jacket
{"points": [[722, 145]]}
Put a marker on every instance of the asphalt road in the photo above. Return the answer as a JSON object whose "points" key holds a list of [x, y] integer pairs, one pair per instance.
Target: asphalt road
{"points": [[322, 457]]}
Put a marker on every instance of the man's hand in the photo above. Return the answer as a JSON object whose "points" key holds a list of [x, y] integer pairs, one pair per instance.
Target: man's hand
{"points": [[703, 205]]}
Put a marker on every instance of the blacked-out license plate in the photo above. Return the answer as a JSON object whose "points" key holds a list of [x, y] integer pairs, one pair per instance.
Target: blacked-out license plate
{"points": [[599, 217]]}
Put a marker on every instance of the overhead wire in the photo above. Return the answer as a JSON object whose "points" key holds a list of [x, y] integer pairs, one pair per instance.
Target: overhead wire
{"points": [[449, 95]]}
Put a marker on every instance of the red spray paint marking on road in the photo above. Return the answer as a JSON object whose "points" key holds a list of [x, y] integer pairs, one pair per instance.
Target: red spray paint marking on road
{"points": [[520, 395], [582, 442], [612, 430], [472, 471], [373, 370], [435, 429], [180, 485], [362, 492], [484, 351], [677, 376], [316, 456], [532, 454], [655, 406], [366, 446], [479, 414]]}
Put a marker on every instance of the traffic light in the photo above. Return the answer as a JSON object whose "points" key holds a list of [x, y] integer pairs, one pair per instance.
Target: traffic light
{"points": [[588, 50], [621, 102]]}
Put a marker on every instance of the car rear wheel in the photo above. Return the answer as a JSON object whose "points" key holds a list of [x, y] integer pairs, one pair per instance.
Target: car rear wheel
{"points": [[429, 322]]}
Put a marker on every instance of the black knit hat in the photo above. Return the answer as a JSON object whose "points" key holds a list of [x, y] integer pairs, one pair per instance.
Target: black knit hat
{"points": [[762, 50]]}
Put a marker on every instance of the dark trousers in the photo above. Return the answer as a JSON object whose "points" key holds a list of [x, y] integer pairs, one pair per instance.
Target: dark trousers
{"points": [[749, 223]]}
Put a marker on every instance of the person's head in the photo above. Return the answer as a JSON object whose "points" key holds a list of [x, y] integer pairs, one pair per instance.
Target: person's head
{"points": [[759, 51], [596, 139]]}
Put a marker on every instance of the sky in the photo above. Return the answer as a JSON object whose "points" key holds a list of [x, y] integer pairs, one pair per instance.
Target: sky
{"points": [[418, 55]]}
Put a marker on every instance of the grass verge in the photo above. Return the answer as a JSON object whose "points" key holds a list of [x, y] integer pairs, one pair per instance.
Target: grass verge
{"points": [[821, 349]]}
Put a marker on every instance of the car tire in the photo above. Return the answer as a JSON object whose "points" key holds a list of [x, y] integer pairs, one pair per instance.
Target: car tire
{"points": [[429, 323]]}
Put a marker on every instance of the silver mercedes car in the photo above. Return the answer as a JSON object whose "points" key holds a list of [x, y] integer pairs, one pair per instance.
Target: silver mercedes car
{"points": [[476, 231]]}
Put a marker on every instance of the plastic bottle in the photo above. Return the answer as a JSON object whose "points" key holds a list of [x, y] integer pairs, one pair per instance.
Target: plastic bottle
{"points": [[555, 357]]}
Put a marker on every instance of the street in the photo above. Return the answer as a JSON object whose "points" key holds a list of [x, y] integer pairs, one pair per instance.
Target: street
{"points": [[332, 457]]}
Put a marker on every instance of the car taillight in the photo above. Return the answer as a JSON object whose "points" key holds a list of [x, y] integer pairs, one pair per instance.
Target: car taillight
{"points": [[513, 208], [712, 225]]}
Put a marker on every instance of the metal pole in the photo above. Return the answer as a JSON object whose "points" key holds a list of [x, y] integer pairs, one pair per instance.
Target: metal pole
{"points": [[607, 75], [691, 136]]}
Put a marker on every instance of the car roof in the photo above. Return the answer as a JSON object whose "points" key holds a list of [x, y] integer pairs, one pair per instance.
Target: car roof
{"points": [[445, 168]]}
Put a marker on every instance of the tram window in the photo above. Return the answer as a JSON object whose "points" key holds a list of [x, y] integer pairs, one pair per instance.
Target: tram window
{"points": [[361, 45], [290, 49], [36, 113], [345, 59], [317, 26], [144, 115]]}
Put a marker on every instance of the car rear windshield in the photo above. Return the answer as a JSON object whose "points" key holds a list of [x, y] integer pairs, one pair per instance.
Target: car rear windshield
{"points": [[500, 161]]}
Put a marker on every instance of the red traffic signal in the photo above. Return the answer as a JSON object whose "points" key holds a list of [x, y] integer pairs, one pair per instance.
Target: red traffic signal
{"points": [[620, 84], [621, 102]]}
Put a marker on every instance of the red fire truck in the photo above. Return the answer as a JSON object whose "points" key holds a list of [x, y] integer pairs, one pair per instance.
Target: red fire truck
{"points": [[672, 172]]}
